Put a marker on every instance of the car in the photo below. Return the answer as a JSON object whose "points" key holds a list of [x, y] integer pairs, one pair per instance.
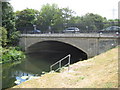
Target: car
{"points": [[35, 31], [71, 30], [110, 29]]}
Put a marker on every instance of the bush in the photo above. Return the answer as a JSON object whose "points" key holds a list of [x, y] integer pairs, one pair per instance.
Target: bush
{"points": [[11, 54]]}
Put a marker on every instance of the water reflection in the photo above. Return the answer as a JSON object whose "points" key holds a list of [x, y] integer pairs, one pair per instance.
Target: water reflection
{"points": [[34, 65]]}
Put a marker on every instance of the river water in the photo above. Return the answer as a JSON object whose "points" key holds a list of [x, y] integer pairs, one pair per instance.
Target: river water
{"points": [[34, 65]]}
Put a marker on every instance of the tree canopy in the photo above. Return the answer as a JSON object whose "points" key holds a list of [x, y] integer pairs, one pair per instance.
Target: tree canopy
{"points": [[49, 17], [26, 17], [91, 21], [8, 18], [8, 22], [55, 19]]}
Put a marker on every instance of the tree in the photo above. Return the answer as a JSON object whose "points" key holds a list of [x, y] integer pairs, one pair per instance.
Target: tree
{"points": [[8, 18], [8, 22], [50, 16], [3, 38], [26, 18], [54, 17], [92, 21], [75, 21], [67, 16], [113, 22]]}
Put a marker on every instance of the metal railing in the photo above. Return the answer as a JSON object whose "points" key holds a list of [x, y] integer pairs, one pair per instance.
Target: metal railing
{"points": [[60, 63]]}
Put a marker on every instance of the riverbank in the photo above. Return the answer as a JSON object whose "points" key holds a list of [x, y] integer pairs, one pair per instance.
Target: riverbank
{"points": [[98, 72]]}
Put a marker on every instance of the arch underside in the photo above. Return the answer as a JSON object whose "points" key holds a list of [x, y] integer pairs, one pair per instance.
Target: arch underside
{"points": [[51, 46]]}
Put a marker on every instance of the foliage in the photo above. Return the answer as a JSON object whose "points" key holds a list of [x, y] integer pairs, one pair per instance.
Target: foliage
{"points": [[67, 15], [0, 54], [114, 22], [51, 18], [50, 15], [11, 54], [9, 35], [46, 17], [8, 22], [91, 22], [14, 39], [8, 18], [56, 18], [3, 38], [26, 18]]}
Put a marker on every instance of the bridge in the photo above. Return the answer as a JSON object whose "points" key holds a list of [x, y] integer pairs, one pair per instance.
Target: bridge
{"points": [[90, 44]]}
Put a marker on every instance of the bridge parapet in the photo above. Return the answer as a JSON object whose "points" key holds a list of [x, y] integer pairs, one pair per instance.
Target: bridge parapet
{"points": [[82, 35]]}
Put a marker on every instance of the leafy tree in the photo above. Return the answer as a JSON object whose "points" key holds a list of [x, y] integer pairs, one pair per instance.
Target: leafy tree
{"points": [[49, 16], [75, 21], [56, 18], [92, 21], [67, 15], [113, 22], [8, 22], [3, 38], [8, 18], [26, 18]]}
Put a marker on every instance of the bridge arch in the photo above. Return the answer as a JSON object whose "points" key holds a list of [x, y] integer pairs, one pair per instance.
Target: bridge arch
{"points": [[91, 45], [55, 46]]}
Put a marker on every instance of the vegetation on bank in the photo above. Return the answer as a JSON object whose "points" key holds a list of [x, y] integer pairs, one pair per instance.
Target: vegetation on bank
{"points": [[98, 72], [11, 54], [8, 52], [9, 36]]}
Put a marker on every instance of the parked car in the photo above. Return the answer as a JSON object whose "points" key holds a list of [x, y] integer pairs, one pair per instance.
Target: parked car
{"points": [[111, 29], [71, 30], [35, 31]]}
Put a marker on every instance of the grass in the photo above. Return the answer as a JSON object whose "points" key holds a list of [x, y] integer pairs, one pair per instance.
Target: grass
{"points": [[98, 72]]}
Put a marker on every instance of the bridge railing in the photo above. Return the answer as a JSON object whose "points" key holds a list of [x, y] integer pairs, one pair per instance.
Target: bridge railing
{"points": [[59, 63], [53, 32]]}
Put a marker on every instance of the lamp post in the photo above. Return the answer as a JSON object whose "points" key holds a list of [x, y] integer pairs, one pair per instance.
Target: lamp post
{"points": [[34, 27], [49, 29], [87, 28]]}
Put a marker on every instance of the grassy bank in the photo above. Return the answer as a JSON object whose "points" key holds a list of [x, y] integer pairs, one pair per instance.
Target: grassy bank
{"points": [[98, 72], [10, 54]]}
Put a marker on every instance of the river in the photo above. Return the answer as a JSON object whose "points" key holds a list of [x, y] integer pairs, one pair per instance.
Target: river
{"points": [[34, 65]]}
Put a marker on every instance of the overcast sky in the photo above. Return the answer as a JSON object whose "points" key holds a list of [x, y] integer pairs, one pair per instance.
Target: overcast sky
{"points": [[81, 7]]}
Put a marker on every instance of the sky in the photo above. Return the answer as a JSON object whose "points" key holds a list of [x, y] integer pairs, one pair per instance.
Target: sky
{"points": [[105, 8]]}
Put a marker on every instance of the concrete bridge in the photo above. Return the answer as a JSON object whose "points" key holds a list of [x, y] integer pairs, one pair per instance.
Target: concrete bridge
{"points": [[91, 44]]}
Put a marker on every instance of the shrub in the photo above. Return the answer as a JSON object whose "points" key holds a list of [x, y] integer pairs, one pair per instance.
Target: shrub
{"points": [[11, 54]]}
